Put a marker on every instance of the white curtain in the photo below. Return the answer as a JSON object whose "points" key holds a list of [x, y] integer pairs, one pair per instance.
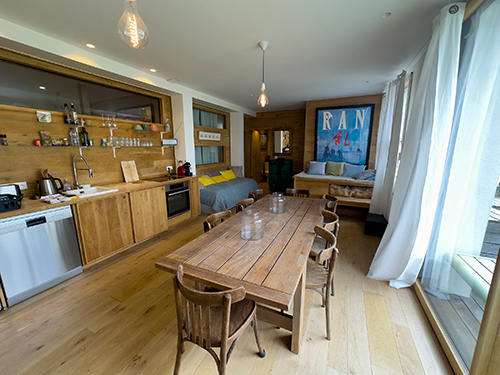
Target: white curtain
{"points": [[400, 254], [473, 162], [387, 146]]}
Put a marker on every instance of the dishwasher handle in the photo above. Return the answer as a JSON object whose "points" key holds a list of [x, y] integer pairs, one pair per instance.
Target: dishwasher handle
{"points": [[36, 221]]}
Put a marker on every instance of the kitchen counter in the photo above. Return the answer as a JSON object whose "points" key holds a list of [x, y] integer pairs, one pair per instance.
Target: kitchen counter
{"points": [[29, 205]]}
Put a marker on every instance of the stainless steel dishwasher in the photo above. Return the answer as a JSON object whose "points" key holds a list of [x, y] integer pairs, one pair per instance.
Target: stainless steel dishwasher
{"points": [[37, 251]]}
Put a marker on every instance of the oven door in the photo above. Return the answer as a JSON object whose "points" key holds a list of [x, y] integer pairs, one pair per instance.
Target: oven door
{"points": [[177, 202]]}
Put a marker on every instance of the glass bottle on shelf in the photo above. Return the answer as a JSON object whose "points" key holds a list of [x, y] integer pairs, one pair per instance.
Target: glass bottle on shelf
{"points": [[73, 136], [84, 137], [73, 114], [67, 116]]}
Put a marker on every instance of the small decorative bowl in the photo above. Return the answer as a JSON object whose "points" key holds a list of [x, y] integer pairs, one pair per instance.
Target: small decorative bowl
{"points": [[154, 128], [138, 127]]}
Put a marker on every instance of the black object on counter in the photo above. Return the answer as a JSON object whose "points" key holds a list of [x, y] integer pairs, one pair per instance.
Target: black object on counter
{"points": [[10, 198]]}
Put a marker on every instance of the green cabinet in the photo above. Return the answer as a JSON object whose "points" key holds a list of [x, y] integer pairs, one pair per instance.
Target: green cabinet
{"points": [[280, 174]]}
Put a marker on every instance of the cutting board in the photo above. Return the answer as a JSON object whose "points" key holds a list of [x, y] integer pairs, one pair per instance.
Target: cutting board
{"points": [[130, 171]]}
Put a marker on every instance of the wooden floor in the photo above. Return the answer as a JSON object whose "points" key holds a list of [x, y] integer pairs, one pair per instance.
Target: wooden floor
{"points": [[119, 318]]}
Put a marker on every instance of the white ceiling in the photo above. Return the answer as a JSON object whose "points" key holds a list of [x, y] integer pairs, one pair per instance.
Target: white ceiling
{"points": [[317, 49]]}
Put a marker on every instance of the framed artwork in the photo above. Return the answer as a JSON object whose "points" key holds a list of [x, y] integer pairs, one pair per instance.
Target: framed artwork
{"points": [[343, 134], [142, 113], [263, 141]]}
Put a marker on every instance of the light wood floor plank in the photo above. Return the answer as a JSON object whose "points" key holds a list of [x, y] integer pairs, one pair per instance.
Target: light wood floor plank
{"points": [[408, 355], [383, 351]]}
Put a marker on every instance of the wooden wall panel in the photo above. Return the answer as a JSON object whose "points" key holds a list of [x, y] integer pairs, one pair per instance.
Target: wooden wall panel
{"points": [[310, 135], [266, 123], [22, 161]]}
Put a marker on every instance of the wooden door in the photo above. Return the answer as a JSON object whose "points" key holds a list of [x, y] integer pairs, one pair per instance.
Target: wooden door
{"points": [[104, 226], [149, 212]]}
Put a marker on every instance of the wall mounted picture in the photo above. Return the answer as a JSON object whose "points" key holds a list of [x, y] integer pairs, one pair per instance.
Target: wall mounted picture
{"points": [[263, 141], [343, 133]]}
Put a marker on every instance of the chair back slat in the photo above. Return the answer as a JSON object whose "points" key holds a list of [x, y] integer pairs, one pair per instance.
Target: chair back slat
{"points": [[215, 219], [255, 194], [193, 307], [244, 203], [301, 193], [331, 222]]}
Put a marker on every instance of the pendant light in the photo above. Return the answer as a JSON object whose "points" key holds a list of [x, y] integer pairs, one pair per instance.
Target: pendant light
{"points": [[263, 101], [132, 28]]}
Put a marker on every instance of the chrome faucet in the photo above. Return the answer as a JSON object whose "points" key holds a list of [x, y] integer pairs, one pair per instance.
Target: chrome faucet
{"points": [[91, 175]]}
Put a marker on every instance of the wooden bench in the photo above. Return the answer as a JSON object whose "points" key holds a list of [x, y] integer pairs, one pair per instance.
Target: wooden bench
{"points": [[319, 186]]}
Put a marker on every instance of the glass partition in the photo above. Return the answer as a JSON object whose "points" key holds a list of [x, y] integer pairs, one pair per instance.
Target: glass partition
{"points": [[23, 86]]}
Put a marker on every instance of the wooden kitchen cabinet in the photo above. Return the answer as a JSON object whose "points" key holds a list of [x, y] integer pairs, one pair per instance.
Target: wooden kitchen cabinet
{"points": [[149, 212], [104, 226]]}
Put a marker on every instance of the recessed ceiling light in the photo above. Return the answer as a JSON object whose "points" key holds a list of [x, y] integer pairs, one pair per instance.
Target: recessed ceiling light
{"points": [[90, 45], [367, 81], [41, 87], [385, 15], [172, 80], [152, 70]]}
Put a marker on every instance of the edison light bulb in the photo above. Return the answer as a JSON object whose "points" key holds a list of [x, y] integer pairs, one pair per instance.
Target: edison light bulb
{"points": [[263, 101], [132, 28]]}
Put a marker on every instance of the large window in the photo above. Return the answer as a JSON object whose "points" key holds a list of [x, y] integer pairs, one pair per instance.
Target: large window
{"points": [[23, 86], [210, 119], [209, 155]]}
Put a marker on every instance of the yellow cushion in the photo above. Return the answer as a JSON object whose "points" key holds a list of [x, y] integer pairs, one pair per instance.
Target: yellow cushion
{"points": [[228, 175], [218, 179], [206, 180]]}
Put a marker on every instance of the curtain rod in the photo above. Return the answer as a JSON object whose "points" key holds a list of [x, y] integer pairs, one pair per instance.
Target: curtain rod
{"points": [[471, 7]]}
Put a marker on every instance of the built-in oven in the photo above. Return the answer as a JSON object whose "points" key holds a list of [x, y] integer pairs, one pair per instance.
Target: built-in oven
{"points": [[177, 198]]}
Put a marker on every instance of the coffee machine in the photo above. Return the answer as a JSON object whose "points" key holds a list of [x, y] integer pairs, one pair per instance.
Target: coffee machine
{"points": [[187, 169]]}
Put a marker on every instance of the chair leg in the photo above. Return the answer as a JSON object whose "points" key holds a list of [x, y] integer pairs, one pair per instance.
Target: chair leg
{"points": [[180, 350], [333, 285], [327, 311], [262, 352]]}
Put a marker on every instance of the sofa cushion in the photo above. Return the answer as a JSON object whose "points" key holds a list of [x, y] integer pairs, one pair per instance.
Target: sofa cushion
{"points": [[352, 169], [335, 169], [206, 180], [365, 175], [317, 167], [228, 175], [219, 179], [237, 170]]}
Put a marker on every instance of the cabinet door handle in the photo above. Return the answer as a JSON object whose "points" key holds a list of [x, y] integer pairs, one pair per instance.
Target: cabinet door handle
{"points": [[37, 221]]}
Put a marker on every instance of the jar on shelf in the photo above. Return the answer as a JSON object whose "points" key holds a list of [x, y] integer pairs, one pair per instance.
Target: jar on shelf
{"points": [[252, 225]]}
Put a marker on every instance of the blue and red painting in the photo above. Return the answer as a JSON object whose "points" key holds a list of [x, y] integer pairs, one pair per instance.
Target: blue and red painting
{"points": [[343, 134]]}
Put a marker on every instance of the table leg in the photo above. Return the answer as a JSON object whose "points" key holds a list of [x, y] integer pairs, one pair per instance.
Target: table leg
{"points": [[298, 314]]}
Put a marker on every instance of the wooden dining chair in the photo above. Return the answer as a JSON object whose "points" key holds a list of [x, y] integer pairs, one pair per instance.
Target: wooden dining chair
{"points": [[255, 194], [318, 277], [212, 320], [301, 193], [332, 202], [331, 222], [244, 203], [215, 219]]}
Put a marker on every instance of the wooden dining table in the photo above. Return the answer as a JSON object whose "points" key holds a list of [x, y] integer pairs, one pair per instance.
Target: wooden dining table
{"points": [[272, 269]]}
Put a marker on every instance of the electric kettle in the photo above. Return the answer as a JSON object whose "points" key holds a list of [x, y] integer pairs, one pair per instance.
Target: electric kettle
{"points": [[47, 185]]}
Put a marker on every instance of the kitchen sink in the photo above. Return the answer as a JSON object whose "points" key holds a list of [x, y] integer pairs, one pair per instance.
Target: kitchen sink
{"points": [[89, 192]]}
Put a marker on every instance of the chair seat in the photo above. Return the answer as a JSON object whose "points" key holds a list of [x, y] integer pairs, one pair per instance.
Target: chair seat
{"points": [[316, 274], [240, 314]]}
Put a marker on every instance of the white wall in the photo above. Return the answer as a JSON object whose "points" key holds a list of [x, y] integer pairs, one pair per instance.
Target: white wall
{"points": [[26, 41]]}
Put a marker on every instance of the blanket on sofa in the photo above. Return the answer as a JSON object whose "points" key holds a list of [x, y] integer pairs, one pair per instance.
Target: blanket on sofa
{"points": [[224, 195]]}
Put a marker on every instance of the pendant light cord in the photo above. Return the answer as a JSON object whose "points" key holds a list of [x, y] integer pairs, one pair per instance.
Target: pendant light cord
{"points": [[263, 56]]}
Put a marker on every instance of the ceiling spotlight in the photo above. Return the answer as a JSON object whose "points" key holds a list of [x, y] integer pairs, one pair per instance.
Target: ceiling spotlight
{"points": [[152, 70], [89, 45], [385, 15], [132, 28], [41, 87], [263, 101]]}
